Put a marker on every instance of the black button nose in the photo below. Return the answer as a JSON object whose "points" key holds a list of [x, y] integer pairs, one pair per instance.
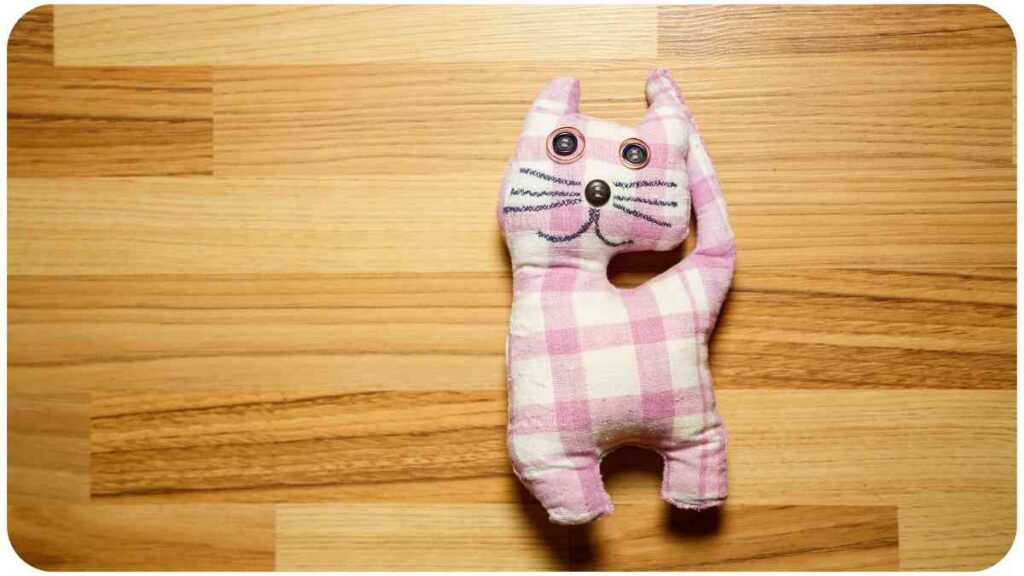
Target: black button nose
{"points": [[598, 193]]}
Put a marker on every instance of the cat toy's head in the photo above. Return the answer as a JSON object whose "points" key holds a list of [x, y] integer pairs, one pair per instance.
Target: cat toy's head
{"points": [[580, 190]]}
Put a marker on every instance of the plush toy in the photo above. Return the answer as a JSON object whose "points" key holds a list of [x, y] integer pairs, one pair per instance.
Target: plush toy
{"points": [[592, 367]]}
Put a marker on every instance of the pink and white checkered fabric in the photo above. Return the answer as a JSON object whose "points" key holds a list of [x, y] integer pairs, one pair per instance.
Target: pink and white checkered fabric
{"points": [[593, 367]]}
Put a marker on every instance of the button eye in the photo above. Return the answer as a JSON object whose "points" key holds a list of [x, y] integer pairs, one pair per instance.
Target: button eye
{"points": [[634, 153], [565, 145]]}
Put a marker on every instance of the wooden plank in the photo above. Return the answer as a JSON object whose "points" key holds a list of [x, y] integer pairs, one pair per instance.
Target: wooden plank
{"points": [[300, 332], [403, 224], [953, 530], [868, 446], [48, 450], [850, 447], [652, 537], [381, 536], [31, 39], [705, 33], [257, 35], [143, 537], [109, 122], [781, 330], [215, 226], [238, 441], [270, 371], [417, 537], [847, 124]]}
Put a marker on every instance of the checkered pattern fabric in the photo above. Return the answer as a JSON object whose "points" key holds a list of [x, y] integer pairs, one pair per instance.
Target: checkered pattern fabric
{"points": [[593, 367]]}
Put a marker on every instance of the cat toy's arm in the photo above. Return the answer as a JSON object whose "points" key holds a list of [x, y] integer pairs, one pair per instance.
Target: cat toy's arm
{"points": [[714, 256]]}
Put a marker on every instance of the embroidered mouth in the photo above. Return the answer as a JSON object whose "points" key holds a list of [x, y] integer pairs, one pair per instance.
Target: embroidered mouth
{"points": [[595, 221]]}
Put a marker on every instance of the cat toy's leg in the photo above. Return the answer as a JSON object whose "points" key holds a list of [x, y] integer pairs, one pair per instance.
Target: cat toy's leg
{"points": [[566, 481], [695, 468], [695, 457]]}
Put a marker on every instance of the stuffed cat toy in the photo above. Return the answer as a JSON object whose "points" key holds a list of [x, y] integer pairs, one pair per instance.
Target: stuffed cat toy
{"points": [[592, 367]]}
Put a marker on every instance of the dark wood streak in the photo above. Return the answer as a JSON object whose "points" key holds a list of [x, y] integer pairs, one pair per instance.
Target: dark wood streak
{"points": [[35, 117], [254, 354], [872, 298], [128, 493], [31, 39], [498, 430], [732, 30], [337, 400]]}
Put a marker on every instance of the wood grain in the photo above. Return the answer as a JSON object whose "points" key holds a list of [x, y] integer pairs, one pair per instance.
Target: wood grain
{"points": [[761, 538], [770, 31], [144, 537], [109, 122], [294, 440], [257, 297], [983, 532], [31, 39], [403, 111], [291, 35], [101, 121], [302, 226], [427, 536], [417, 537], [48, 447]]}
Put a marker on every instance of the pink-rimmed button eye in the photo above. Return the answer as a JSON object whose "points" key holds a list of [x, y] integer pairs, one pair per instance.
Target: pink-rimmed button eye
{"points": [[634, 153], [565, 145]]}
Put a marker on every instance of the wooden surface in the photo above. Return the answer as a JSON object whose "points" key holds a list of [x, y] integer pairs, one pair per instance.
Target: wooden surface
{"points": [[257, 295]]}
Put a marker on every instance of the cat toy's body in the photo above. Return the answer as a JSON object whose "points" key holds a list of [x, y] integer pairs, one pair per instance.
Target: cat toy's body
{"points": [[593, 367]]}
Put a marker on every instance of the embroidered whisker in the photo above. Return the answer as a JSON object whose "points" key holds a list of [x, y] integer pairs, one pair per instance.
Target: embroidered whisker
{"points": [[646, 184], [641, 215], [548, 177], [525, 192], [651, 201], [539, 207]]}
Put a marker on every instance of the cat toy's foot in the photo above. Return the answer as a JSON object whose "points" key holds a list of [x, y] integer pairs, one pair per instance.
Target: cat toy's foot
{"points": [[695, 476], [694, 504], [570, 495]]}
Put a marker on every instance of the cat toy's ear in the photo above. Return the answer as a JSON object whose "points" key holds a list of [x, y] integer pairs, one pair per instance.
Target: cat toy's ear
{"points": [[663, 96], [561, 96]]}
